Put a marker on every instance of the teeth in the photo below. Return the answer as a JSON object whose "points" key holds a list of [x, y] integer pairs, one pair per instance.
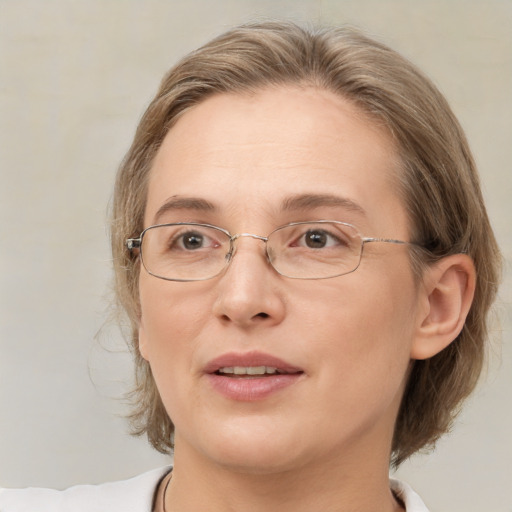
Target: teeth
{"points": [[248, 370]]}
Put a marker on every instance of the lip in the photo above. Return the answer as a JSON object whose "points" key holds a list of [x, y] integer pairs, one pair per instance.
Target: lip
{"points": [[251, 388], [250, 359]]}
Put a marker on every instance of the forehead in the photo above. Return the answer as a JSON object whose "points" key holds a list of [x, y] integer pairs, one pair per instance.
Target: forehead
{"points": [[251, 153]]}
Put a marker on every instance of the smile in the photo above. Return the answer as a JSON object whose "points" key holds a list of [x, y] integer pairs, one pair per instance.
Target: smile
{"points": [[250, 377], [249, 370]]}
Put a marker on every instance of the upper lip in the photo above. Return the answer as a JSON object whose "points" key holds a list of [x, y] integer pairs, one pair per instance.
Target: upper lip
{"points": [[250, 359]]}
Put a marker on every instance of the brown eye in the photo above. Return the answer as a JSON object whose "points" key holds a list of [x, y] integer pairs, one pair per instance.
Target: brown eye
{"points": [[192, 241], [316, 239]]}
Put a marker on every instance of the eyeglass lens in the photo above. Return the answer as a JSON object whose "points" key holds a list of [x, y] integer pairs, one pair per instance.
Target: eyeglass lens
{"points": [[193, 252]]}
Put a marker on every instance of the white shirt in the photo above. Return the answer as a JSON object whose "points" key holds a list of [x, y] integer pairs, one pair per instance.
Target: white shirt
{"points": [[133, 495]]}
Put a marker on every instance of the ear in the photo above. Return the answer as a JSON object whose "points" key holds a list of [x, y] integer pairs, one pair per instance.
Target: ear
{"points": [[447, 293]]}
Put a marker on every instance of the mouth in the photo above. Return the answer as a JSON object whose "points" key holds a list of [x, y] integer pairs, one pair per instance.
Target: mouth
{"points": [[251, 376], [250, 364], [251, 371]]}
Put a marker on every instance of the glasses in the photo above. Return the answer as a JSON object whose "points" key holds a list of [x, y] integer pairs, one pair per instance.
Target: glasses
{"points": [[301, 250]]}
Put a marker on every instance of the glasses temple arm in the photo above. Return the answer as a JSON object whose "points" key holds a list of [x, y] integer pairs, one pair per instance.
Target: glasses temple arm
{"points": [[133, 243], [388, 241]]}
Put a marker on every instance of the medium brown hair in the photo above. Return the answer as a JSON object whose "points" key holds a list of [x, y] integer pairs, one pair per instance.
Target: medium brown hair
{"points": [[438, 182]]}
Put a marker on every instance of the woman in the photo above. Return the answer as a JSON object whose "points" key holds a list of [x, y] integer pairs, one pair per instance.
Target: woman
{"points": [[302, 249]]}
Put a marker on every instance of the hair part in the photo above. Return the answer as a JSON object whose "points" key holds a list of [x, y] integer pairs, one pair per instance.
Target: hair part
{"points": [[438, 183]]}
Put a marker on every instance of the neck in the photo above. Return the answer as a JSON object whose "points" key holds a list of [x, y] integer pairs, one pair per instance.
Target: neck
{"points": [[330, 486]]}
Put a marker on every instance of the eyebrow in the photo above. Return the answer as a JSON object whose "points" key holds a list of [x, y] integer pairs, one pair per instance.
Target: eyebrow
{"points": [[292, 203], [184, 203], [311, 201]]}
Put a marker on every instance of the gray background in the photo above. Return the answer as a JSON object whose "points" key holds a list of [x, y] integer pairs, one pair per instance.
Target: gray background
{"points": [[75, 77]]}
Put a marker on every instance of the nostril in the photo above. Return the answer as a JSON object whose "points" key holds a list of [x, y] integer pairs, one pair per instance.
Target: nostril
{"points": [[262, 315]]}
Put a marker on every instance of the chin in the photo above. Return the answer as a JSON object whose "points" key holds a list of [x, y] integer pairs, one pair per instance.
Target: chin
{"points": [[253, 449], [257, 461]]}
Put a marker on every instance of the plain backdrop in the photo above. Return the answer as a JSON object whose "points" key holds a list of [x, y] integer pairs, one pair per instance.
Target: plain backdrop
{"points": [[75, 77]]}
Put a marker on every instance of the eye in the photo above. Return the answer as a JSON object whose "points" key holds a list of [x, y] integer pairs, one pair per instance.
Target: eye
{"points": [[316, 239], [319, 239], [193, 241]]}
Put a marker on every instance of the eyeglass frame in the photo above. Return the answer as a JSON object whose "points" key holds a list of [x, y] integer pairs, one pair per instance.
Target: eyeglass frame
{"points": [[136, 243]]}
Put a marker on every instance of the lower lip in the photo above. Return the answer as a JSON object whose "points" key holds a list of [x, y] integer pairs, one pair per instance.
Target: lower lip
{"points": [[250, 389]]}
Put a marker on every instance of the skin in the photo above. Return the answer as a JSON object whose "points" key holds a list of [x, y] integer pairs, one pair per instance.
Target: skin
{"points": [[322, 443]]}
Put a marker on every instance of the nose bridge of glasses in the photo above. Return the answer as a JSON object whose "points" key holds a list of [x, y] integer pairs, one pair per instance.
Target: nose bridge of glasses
{"points": [[249, 235], [237, 236]]}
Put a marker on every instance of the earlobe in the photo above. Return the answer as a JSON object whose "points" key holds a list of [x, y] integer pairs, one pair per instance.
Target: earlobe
{"points": [[447, 293]]}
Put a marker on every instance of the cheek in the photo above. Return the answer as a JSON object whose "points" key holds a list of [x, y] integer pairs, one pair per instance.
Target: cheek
{"points": [[373, 302], [365, 328], [172, 316]]}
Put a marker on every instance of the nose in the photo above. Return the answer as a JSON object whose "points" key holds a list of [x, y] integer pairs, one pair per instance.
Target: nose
{"points": [[250, 291]]}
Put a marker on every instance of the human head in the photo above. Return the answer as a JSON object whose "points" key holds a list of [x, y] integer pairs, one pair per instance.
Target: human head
{"points": [[438, 185]]}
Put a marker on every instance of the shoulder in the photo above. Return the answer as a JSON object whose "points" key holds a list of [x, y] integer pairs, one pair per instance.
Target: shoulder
{"points": [[411, 500], [133, 495]]}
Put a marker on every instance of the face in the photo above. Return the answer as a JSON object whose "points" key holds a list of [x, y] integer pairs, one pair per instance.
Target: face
{"points": [[341, 346]]}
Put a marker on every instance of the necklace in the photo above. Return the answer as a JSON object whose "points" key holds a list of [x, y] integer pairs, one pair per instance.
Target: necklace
{"points": [[165, 491]]}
